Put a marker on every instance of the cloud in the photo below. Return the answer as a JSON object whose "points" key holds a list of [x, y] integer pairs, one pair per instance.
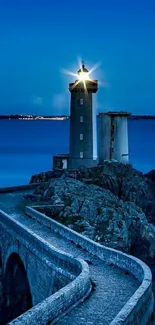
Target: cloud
{"points": [[61, 102], [37, 100]]}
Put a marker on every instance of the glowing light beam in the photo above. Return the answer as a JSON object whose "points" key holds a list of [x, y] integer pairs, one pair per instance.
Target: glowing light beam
{"points": [[69, 73], [83, 75], [97, 65], [75, 84]]}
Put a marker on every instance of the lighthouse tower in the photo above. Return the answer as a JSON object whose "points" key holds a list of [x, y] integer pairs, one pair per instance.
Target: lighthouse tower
{"points": [[83, 134], [113, 137]]}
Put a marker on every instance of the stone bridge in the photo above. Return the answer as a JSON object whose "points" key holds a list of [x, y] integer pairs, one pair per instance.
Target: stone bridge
{"points": [[50, 271]]}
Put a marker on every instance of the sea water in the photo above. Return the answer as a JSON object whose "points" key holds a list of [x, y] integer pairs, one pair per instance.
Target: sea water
{"points": [[27, 147]]}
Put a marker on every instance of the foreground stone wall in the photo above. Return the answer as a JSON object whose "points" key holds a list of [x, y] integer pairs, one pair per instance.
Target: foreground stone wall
{"points": [[41, 261], [139, 308]]}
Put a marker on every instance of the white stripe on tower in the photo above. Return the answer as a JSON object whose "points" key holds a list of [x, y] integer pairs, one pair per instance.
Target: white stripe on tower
{"points": [[94, 132]]}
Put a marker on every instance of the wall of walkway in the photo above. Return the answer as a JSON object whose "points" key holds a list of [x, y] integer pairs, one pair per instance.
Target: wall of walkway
{"points": [[17, 188], [136, 311], [139, 308], [41, 260]]}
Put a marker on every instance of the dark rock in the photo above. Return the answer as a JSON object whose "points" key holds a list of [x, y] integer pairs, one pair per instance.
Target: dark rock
{"points": [[56, 200], [49, 192], [45, 176], [151, 175], [33, 197], [53, 211]]}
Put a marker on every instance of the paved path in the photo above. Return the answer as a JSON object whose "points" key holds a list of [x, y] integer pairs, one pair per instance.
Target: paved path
{"points": [[113, 287]]}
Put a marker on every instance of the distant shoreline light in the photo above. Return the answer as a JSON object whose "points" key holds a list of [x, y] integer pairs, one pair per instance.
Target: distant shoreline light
{"points": [[62, 117], [32, 117]]}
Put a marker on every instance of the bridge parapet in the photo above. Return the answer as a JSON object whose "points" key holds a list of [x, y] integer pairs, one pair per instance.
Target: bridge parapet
{"points": [[10, 189], [138, 309]]}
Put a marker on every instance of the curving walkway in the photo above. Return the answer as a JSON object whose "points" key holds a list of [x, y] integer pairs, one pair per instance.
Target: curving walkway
{"points": [[112, 287]]}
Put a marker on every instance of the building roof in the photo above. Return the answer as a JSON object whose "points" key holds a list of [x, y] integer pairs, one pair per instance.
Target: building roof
{"points": [[62, 155]]}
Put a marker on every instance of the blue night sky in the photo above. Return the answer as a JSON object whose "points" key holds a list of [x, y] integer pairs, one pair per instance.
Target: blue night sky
{"points": [[40, 38]]}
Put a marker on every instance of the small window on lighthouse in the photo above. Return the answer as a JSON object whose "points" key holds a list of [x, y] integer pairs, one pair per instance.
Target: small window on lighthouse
{"points": [[81, 136], [81, 119], [81, 154], [81, 101]]}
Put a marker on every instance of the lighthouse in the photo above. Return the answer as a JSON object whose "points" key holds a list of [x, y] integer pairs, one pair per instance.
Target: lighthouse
{"points": [[113, 129], [113, 137], [83, 133]]}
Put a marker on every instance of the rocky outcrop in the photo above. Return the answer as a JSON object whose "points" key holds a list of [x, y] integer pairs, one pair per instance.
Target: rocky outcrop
{"points": [[99, 214], [45, 176], [122, 180], [127, 183]]}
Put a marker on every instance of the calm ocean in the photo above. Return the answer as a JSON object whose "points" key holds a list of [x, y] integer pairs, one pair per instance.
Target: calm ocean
{"points": [[27, 147]]}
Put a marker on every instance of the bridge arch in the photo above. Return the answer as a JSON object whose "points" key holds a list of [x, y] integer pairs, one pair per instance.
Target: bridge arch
{"points": [[16, 289]]}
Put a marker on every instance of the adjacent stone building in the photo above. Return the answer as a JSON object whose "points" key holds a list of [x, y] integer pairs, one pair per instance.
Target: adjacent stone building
{"points": [[113, 137]]}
